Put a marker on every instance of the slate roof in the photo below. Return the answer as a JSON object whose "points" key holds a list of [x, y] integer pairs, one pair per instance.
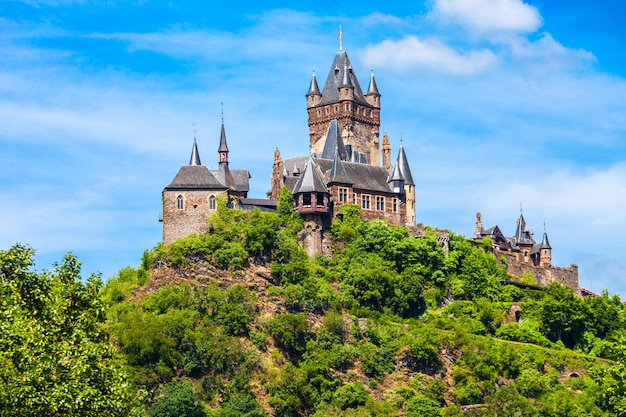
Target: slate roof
{"points": [[330, 93], [235, 179], [337, 173], [523, 234], [373, 88], [404, 167], [223, 146], [334, 142], [196, 177], [195, 155], [364, 176], [313, 87], [310, 180]]}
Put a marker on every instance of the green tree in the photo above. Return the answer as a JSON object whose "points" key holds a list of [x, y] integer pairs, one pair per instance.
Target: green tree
{"points": [[54, 355], [176, 400]]}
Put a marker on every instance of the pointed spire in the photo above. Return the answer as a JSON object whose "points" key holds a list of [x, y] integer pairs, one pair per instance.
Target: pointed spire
{"points": [[403, 163], [195, 155], [545, 244], [313, 87], [373, 88], [338, 171], [310, 180], [223, 146]]}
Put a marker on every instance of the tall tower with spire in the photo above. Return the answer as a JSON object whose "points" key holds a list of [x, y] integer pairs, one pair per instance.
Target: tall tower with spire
{"points": [[342, 99]]}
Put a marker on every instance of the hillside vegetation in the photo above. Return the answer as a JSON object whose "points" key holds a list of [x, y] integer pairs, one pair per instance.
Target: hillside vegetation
{"points": [[241, 322]]}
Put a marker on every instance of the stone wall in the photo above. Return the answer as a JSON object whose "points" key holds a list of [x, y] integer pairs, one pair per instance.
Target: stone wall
{"points": [[192, 218], [543, 275]]}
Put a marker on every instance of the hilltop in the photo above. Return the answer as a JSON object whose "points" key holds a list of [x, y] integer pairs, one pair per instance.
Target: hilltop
{"points": [[240, 321]]}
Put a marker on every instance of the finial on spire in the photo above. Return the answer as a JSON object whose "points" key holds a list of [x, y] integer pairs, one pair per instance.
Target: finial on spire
{"points": [[222, 104], [339, 38], [194, 129], [521, 211]]}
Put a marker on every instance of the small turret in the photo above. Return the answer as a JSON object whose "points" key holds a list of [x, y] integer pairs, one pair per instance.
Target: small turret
{"points": [[545, 250], [314, 96], [346, 88], [223, 149], [373, 96]]}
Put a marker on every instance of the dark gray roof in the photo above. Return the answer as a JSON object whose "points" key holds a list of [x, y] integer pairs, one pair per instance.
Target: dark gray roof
{"points": [[259, 202], [523, 234], [364, 176], [334, 142], [195, 155], [396, 175], [544, 243], [223, 146], [196, 177], [404, 167], [235, 179], [310, 180], [337, 172], [330, 94], [373, 88], [313, 87]]}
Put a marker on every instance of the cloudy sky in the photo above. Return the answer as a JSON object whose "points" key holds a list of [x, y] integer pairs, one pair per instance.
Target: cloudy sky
{"points": [[501, 104]]}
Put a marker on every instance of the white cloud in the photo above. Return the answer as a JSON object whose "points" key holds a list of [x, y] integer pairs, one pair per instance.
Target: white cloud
{"points": [[432, 54], [489, 15]]}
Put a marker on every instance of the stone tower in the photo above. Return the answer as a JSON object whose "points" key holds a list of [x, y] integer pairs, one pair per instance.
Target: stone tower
{"points": [[342, 99], [409, 185], [189, 199]]}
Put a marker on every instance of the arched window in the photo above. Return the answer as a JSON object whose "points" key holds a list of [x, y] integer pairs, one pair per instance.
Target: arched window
{"points": [[179, 202], [212, 202]]}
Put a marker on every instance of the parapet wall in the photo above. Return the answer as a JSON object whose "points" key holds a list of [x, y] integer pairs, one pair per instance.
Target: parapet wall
{"points": [[543, 275]]}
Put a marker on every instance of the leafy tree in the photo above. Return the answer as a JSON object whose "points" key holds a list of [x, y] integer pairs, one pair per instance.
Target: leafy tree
{"points": [[54, 355], [291, 332], [176, 400], [422, 406], [562, 314]]}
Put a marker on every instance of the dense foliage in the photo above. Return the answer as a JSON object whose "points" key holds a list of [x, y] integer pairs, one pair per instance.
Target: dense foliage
{"points": [[54, 355], [241, 322]]}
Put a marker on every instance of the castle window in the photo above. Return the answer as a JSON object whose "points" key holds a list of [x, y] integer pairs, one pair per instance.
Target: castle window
{"points": [[336, 109], [179, 202], [380, 203], [343, 195], [319, 199], [347, 106], [319, 112], [394, 205], [365, 202], [212, 202], [306, 199], [353, 198]]}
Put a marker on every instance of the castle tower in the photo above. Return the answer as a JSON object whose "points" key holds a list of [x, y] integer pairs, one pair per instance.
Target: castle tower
{"points": [[545, 251], [409, 185], [342, 99], [189, 199]]}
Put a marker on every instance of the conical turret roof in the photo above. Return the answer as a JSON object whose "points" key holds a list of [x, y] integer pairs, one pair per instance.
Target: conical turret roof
{"points": [[310, 180], [313, 87], [341, 64], [195, 155], [373, 88], [223, 146], [403, 163], [338, 172]]}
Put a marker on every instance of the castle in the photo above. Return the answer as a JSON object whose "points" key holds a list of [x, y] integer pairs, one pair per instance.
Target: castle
{"points": [[346, 164]]}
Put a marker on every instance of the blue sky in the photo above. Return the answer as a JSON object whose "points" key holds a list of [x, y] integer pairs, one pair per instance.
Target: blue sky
{"points": [[500, 103]]}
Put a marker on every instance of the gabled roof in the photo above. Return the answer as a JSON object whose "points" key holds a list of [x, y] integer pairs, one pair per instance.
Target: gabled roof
{"points": [[235, 179], [365, 177], [335, 78], [404, 167], [337, 172], [196, 177], [310, 180], [334, 142]]}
